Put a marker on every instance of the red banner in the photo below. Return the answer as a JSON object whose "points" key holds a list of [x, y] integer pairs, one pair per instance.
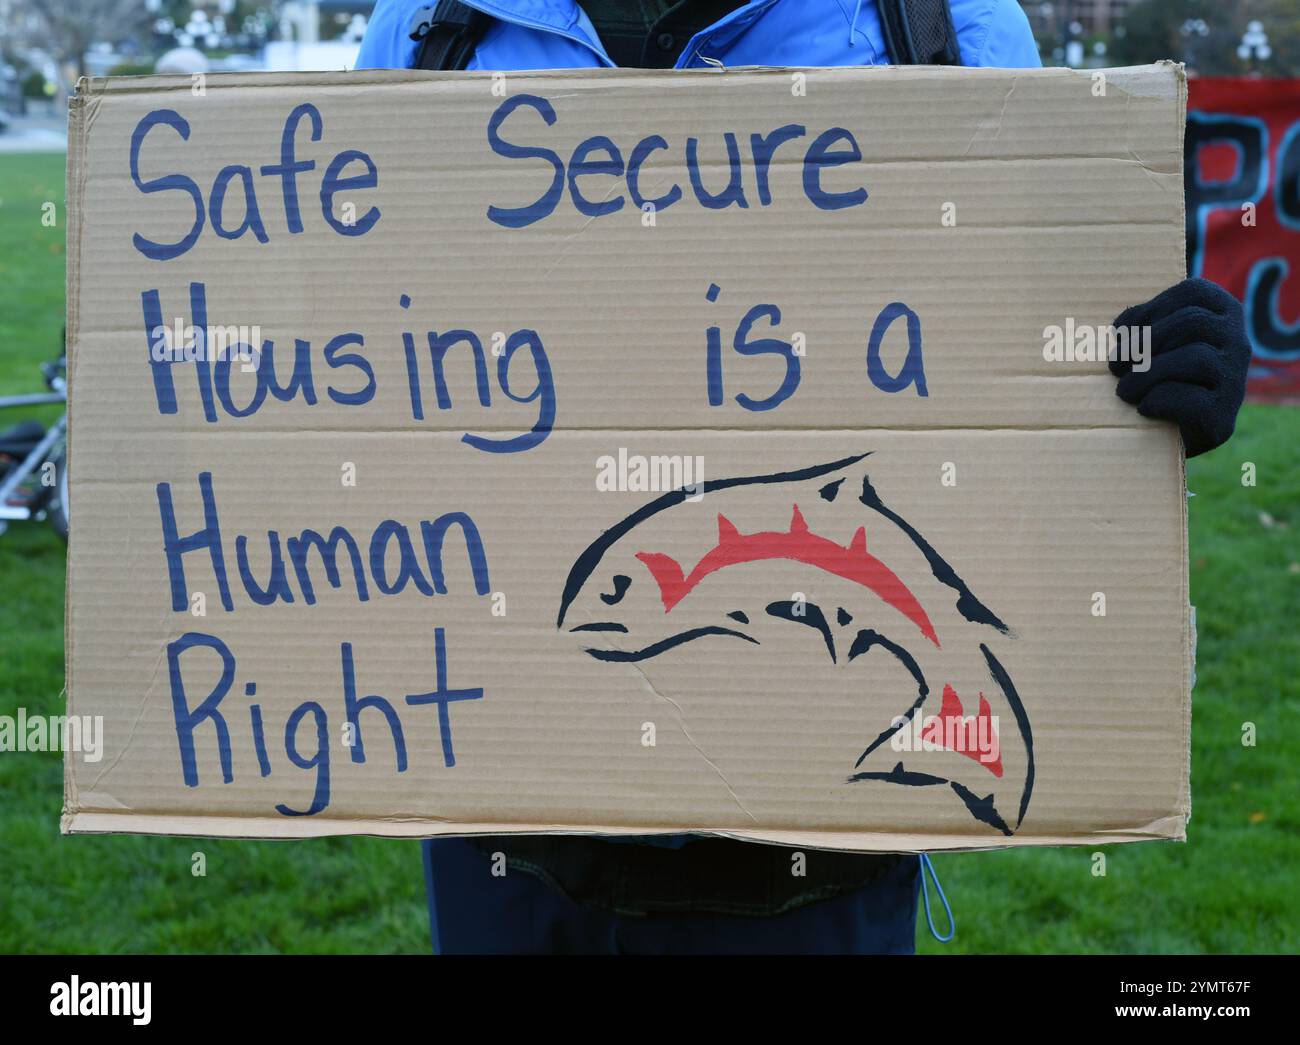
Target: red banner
{"points": [[1243, 214]]}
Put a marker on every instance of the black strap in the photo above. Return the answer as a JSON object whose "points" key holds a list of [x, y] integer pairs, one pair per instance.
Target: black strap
{"points": [[919, 32], [448, 32]]}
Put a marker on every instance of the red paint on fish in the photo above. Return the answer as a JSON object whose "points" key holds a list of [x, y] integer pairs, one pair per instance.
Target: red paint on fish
{"points": [[798, 544], [951, 721]]}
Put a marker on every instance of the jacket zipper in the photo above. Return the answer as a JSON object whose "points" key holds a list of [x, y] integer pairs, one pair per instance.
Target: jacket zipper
{"points": [[693, 48]]}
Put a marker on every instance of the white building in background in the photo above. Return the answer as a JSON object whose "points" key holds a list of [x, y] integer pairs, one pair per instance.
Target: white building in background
{"points": [[300, 48], [318, 56]]}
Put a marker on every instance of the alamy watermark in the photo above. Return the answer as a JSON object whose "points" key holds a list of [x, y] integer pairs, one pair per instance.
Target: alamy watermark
{"points": [[975, 736], [80, 733], [72, 997], [657, 473], [1082, 343], [214, 343]]}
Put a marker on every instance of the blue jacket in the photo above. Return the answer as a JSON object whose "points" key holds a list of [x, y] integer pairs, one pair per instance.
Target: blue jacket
{"points": [[556, 34]]}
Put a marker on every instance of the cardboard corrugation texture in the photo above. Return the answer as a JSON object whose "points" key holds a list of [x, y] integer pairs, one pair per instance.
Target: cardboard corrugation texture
{"points": [[973, 598]]}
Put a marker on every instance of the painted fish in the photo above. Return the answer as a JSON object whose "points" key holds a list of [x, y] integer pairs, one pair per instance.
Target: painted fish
{"points": [[955, 722]]}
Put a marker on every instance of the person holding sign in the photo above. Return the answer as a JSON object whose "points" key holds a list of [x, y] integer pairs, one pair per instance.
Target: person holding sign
{"points": [[684, 895]]}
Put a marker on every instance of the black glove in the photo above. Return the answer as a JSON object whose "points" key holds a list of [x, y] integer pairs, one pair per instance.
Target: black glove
{"points": [[1200, 355]]}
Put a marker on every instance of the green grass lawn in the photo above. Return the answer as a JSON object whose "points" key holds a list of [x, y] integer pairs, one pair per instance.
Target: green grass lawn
{"points": [[1231, 888]]}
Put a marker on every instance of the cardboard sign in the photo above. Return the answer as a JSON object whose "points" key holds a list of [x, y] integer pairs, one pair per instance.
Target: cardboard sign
{"points": [[620, 452]]}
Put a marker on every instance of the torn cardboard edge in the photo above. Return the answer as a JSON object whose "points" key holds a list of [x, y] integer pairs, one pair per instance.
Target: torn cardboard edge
{"points": [[1169, 828], [74, 184], [1141, 81]]}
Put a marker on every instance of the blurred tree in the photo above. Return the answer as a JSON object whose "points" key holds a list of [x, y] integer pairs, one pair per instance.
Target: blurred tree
{"points": [[34, 85], [68, 28], [1208, 35], [214, 24], [1281, 22], [1201, 33]]}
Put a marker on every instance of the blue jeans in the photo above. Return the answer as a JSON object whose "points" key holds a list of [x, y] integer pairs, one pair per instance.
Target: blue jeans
{"points": [[473, 912]]}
